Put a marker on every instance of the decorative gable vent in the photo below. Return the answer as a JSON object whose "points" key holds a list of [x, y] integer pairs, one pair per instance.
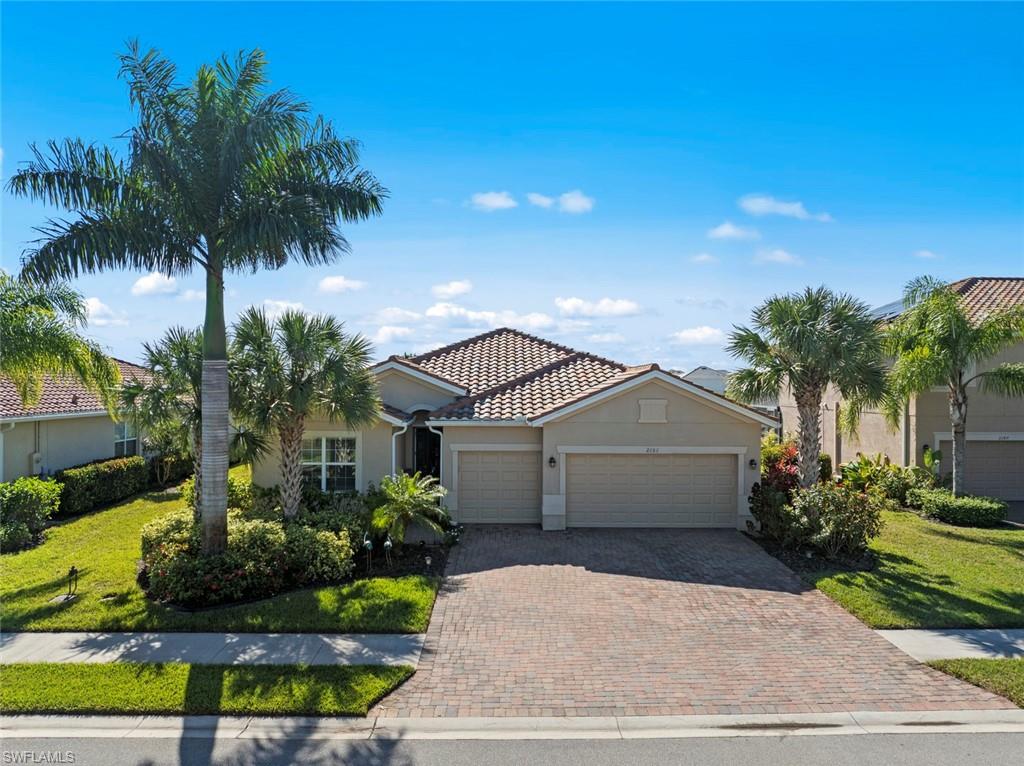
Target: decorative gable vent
{"points": [[653, 411]]}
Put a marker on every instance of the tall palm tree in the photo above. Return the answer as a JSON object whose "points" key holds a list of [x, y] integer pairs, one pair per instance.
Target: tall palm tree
{"points": [[810, 341], [934, 342], [221, 176], [293, 368], [39, 336]]}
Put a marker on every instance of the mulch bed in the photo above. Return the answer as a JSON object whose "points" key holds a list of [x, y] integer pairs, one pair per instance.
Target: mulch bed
{"points": [[807, 561], [410, 560]]}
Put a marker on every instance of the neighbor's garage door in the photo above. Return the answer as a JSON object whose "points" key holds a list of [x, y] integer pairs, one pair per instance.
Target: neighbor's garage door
{"points": [[993, 468], [499, 487], [650, 490]]}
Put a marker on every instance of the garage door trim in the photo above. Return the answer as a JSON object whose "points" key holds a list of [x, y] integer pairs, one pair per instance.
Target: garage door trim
{"points": [[739, 452], [452, 501]]}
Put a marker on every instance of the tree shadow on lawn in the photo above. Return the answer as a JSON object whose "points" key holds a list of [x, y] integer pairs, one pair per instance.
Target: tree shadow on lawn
{"points": [[925, 598], [1008, 539]]}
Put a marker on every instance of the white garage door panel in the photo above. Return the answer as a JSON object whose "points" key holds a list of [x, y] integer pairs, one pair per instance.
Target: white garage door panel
{"points": [[499, 487], [609, 490], [993, 468]]}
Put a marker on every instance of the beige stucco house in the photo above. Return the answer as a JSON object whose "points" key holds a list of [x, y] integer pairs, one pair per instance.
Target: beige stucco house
{"points": [[995, 424], [523, 430], [69, 426]]}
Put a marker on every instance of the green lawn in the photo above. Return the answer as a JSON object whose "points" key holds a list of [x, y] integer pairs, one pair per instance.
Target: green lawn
{"points": [[177, 688], [932, 575], [105, 546], [1004, 677]]}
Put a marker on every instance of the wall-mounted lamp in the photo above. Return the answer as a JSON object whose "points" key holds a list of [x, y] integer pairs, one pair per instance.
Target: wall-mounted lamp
{"points": [[752, 463], [552, 462], [924, 448]]}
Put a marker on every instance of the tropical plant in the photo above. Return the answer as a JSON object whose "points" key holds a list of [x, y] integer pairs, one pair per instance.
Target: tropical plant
{"points": [[221, 176], [809, 341], [935, 342], [288, 370], [408, 500], [38, 336]]}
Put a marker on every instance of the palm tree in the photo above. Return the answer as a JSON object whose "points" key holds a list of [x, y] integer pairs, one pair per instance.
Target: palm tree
{"points": [[221, 176], [410, 500], [934, 342], [810, 341], [38, 336], [293, 368]]}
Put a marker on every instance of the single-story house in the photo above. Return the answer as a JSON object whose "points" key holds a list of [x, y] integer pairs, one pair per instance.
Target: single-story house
{"points": [[69, 426], [995, 424], [521, 430], [716, 380]]}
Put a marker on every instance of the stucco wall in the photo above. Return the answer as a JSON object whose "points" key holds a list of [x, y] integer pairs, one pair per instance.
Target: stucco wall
{"points": [[62, 442], [409, 394], [692, 422]]}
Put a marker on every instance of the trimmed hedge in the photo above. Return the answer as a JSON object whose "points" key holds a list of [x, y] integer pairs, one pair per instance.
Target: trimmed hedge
{"points": [[963, 511], [239, 492], [95, 485], [165, 470], [26, 504]]}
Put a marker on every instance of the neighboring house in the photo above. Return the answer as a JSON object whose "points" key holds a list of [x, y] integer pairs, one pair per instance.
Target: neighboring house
{"points": [[523, 430], [69, 426], [716, 380], [995, 424]]}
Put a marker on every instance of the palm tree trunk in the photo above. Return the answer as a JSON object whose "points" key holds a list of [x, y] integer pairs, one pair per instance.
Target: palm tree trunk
{"points": [[808, 405], [214, 461], [958, 418], [197, 476], [291, 467]]}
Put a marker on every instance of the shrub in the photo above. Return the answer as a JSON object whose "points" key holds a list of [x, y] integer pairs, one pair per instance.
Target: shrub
{"points": [[836, 519], [767, 506], [26, 504], [963, 511], [410, 500], [240, 493], [95, 485], [331, 511], [892, 480], [825, 467], [263, 558], [169, 469]]}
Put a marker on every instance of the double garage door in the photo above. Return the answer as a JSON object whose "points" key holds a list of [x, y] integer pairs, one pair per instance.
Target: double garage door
{"points": [[993, 468], [602, 490]]}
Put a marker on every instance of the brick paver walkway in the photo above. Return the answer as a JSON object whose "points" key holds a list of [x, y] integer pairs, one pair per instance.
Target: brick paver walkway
{"points": [[650, 622]]}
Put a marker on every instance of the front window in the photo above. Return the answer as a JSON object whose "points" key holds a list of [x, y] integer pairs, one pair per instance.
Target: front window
{"points": [[329, 463], [126, 440]]}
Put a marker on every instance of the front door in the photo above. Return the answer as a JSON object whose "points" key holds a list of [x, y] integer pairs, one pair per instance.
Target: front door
{"points": [[426, 452]]}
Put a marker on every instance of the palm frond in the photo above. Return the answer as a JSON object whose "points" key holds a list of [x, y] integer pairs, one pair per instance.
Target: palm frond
{"points": [[1005, 380]]}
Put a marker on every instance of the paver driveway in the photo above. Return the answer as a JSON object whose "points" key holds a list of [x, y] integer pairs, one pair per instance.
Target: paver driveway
{"points": [[650, 622]]}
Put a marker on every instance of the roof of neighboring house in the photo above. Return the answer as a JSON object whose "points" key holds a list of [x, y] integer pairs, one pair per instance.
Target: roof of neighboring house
{"points": [[981, 296], [514, 376], [61, 395]]}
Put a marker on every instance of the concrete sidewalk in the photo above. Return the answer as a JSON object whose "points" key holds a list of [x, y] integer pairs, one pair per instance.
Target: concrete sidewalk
{"points": [[214, 648], [955, 643], [601, 727]]}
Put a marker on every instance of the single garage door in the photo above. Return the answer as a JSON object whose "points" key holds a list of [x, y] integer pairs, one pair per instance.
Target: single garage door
{"points": [[499, 487], [993, 468], [650, 490]]}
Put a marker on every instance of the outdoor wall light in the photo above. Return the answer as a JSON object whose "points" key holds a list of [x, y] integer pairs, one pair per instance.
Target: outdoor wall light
{"points": [[552, 462], [752, 463]]}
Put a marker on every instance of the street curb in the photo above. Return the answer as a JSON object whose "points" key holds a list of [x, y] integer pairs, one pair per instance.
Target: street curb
{"points": [[598, 727]]}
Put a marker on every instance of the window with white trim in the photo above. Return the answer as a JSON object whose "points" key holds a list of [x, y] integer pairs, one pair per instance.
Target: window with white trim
{"points": [[329, 462], [126, 440]]}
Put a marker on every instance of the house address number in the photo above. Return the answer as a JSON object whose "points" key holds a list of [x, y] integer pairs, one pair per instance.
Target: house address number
{"points": [[653, 450]]}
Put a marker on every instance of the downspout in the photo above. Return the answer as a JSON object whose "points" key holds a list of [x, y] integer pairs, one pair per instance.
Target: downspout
{"points": [[394, 448], [440, 467]]}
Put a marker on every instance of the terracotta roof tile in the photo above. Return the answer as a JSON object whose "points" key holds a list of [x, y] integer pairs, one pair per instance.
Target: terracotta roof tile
{"points": [[983, 295], [60, 396]]}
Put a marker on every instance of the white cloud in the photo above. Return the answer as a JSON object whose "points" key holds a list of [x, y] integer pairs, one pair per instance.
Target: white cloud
{"points": [[702, 335], [575, 201], [729, 230], [606, 307], [275, 309], [453, 313], [926, 254], [395, 315], [449, 290], [540, 200], [704, 258], [762, 204], [606, 337], [339, 284], [155, 283], [101, 315], [778, 255], [718, 304], [193, 295], [491, 201], [391, 333]]}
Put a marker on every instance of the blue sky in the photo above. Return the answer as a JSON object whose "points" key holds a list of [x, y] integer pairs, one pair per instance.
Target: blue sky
{"points": [[689, 159]]}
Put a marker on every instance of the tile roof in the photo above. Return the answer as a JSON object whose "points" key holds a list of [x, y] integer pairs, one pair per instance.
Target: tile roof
{"points": [[981, 296], [61, 395]]}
